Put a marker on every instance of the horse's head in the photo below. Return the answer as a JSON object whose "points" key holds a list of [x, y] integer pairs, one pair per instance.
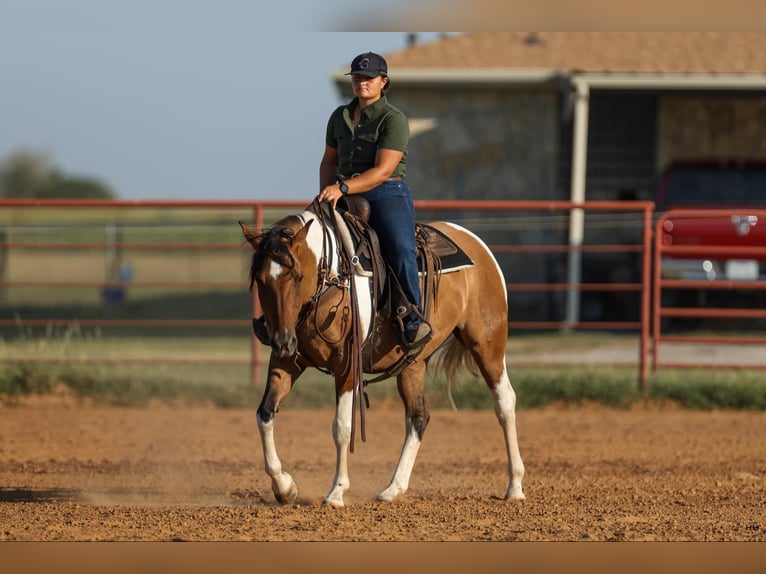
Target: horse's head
{"points": [[281, 260]]}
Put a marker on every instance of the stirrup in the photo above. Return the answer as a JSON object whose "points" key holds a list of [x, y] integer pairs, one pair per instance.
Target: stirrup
{"points": [[423, 334]]}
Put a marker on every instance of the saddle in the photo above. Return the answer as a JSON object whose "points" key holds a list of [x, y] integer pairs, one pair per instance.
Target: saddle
{"points": [[437, 254], [356, 215]]}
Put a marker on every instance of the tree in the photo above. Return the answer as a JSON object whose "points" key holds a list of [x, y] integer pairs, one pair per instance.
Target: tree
{"points": [[29, 174], [23, 174], [75, 187]]}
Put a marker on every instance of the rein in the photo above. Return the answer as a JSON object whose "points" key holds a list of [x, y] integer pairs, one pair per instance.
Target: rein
{"points": [[344, 279], [345, 275], [327, 218], [324, 280], [331, 223]]}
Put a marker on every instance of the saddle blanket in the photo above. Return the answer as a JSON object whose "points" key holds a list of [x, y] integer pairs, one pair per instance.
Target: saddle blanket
{"points": [[451, 256]]}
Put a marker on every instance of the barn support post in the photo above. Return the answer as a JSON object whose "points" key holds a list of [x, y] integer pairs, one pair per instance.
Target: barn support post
{"points": [[581, 94]]}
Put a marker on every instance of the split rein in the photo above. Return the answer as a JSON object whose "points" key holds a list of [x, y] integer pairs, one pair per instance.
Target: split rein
{"points": [[344, 279]]}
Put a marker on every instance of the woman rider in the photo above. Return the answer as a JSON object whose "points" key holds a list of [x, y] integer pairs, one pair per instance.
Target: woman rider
{"points": [[366, 153]]}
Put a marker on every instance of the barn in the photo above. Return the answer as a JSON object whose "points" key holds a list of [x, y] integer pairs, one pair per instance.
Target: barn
{"points": [[572, 115]]}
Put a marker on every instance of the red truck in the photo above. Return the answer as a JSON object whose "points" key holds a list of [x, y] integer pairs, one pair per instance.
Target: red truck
{"points": [[725, 236]]}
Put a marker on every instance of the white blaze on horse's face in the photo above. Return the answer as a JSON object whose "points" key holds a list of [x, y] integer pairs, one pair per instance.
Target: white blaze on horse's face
{"points": [[281, 288], [275, 270]]}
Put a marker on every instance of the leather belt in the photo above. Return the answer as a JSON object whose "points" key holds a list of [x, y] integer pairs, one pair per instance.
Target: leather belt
{"points": [[395, 178]]}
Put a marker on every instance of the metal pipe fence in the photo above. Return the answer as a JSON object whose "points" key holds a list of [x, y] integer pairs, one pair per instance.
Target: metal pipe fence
{"points": [[680, 294], [120, 261]]}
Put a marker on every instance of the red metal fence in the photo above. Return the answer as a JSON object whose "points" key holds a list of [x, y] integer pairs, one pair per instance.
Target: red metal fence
{"points": [[35, 234], [529, 230], [516, 229]]}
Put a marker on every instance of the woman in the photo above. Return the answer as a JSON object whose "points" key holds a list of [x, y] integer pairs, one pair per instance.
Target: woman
{"points": [[366, 153]]}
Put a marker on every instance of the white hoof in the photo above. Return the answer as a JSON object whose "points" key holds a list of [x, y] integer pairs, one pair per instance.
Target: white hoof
{"points": [[285, 489], [389, 494], [514, 494], [334, 502]]}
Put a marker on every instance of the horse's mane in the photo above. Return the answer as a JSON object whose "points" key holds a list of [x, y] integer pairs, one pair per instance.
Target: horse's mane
{"points": [[272, 244]]}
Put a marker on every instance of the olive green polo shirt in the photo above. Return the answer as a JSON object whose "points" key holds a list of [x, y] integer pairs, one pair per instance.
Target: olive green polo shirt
{"points": [[382, 126]]}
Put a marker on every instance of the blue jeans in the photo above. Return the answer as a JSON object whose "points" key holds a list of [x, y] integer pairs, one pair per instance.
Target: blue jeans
{"points": [[392, 216]]}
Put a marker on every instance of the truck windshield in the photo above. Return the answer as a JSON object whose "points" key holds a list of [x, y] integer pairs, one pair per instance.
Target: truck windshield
{"points": [[711, 186]]}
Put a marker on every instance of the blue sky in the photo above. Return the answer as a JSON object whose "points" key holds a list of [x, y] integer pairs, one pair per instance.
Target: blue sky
{"points": [[176, 99]]}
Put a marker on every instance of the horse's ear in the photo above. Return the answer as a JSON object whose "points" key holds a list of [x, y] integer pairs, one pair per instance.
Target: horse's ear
{"points": [[251, 236], [301, 235]]}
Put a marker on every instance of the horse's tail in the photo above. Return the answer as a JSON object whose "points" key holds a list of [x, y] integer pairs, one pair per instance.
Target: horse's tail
{"points": [[454, 356]]}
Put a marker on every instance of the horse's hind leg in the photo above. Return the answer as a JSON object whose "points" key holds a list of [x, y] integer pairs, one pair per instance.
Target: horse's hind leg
{"points": [[277, 387], [505, 409], [489, 354], [416, 417]]}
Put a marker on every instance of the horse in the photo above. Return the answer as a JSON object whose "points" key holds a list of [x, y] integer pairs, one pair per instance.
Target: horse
{"points": [[317, 313]]}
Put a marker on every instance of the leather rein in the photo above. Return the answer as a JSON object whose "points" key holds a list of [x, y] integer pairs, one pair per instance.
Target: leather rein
{"points": [[344, 279]]}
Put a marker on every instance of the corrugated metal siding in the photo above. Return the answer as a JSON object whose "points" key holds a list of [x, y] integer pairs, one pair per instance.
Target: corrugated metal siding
{"points": [[620, 165], [622, 136], [621, 146]]}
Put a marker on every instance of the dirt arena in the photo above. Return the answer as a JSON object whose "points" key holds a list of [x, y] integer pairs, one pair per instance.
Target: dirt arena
{"points": [[70, 472]]}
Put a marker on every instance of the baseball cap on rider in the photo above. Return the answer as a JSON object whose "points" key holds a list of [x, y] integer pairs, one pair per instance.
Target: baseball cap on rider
{"points": [[369, 64]]}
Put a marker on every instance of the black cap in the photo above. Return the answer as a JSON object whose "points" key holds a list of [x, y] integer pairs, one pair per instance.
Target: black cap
{"points": [[369, 64]]}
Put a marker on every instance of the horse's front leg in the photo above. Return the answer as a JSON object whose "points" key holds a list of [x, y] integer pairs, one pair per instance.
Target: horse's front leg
{"points": [[282, 375], [341, 433]]}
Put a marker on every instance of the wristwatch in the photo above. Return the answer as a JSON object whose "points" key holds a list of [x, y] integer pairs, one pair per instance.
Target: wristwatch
{"points": [[343, 187]]}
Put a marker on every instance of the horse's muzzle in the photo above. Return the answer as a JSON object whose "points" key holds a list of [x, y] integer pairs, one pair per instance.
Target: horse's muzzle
{"points": [[284, 344]]}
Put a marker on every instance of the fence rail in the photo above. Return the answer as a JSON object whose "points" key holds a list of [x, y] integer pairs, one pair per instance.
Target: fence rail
{"points": [[664, 252], [535, 232]]}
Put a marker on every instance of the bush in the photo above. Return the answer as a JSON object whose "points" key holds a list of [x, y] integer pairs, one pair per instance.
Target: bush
{"points": [[25, 380], [704, 391], [538, 387], [611, 387]]}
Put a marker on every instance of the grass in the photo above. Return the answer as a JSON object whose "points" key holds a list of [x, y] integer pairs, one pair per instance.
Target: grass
{"points": [[703, 390], [105, 364], [226, 381]]}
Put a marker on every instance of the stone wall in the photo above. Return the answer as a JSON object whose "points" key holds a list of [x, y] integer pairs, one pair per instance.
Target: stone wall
{"points": [[481, 144], [710, 126]]}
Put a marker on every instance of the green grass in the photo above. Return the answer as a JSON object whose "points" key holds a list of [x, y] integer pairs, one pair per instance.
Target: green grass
{"points": [[226, 382], [70, 350], [703, 390]]}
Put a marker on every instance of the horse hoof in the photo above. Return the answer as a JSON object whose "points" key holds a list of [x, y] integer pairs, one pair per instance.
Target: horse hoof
{"points": [[387, 496], [286, 497], [333, 503], [515, 495]]}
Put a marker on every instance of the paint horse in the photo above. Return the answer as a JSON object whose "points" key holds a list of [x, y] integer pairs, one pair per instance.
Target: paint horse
{"points": [[320, 312]]}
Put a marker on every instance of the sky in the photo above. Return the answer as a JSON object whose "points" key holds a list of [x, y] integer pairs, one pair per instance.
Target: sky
{"points": [[177, 99]]}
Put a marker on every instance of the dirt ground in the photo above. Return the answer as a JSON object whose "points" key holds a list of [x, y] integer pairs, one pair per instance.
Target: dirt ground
{"points": [[72, 472]]}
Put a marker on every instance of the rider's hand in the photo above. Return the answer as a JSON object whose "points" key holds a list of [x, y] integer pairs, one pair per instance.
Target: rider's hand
{"points": [[331, 194]]}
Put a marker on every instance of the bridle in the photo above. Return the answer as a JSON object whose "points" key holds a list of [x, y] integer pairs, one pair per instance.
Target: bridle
{"points": [[341, 276]]}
